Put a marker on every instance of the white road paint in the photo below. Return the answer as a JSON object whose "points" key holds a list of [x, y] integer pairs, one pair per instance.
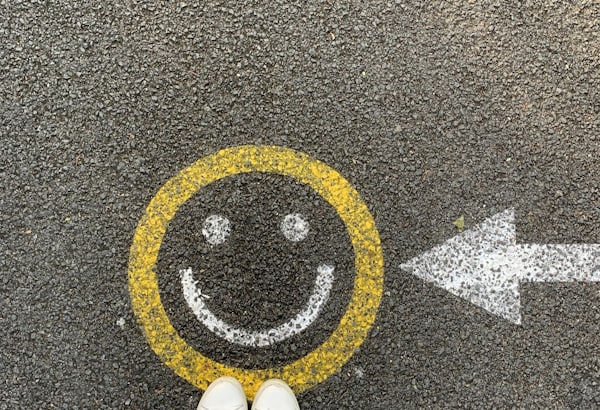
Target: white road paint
{"points": [[232, 334], [484, 265], [359, 372], [216, 229], [294, 227]]}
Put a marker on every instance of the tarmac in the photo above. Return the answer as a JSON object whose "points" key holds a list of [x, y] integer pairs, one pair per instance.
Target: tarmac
{"points": [[399, 118]]}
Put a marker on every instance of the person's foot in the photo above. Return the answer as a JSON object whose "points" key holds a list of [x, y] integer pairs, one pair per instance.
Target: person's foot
{"points": [[275, 394], [225, 393]]}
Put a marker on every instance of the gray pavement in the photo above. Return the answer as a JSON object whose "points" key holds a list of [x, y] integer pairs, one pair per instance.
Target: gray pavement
{"points": [[431, 110]]}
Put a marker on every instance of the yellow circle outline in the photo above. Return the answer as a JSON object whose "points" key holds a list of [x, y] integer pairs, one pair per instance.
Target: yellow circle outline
{"points": [[316, 366]]}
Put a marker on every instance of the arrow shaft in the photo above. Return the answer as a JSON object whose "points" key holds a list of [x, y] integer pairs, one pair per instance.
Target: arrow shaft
{"points": [[556, 263]]}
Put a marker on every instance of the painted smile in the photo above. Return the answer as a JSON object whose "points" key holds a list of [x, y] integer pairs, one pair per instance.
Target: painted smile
{"points": [[216, 230], [262, 338]]}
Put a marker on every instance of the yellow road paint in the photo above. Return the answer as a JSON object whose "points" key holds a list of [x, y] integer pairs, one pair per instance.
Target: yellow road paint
{"points": [[316, 366]]}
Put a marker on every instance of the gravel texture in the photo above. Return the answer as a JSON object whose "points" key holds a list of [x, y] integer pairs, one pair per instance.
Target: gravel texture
{"points": [[431, 109]]}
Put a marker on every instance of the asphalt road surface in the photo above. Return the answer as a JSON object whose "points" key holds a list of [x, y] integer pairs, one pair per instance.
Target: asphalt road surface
{"points": [[430, 110]]}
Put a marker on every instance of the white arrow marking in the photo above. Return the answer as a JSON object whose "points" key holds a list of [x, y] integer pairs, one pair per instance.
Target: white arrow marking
{"points": [[301, 321], [484, 265]]}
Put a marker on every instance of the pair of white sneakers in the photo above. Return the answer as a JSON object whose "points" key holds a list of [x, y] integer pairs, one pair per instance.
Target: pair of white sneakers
{"points": [[226, 393]]}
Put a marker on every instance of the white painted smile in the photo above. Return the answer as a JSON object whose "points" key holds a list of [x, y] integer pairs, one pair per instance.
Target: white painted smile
{"points": [[216, 230], [262, 338]]}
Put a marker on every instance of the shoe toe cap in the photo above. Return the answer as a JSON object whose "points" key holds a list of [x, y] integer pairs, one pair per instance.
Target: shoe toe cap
{"points": [[224, 394], [275, 395]]}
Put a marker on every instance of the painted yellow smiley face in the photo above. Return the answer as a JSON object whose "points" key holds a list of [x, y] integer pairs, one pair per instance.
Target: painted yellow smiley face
{"points": [[326, 359]]}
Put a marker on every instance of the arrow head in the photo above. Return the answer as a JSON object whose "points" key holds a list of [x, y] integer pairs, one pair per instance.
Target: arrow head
{"points": [[476, 266]]}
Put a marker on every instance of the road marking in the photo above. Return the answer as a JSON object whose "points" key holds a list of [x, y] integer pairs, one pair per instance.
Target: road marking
{"points": [[294, 227], [216, 229], [484, 265], [232, 334], [326, 359]]}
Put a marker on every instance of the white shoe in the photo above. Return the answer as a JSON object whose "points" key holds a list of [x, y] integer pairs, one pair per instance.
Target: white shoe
{"points": [[275, 394], [225, 393]]}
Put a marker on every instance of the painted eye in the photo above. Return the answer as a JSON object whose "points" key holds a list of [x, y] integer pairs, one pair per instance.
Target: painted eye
{"points": [[216, 229], [294, 227]]}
